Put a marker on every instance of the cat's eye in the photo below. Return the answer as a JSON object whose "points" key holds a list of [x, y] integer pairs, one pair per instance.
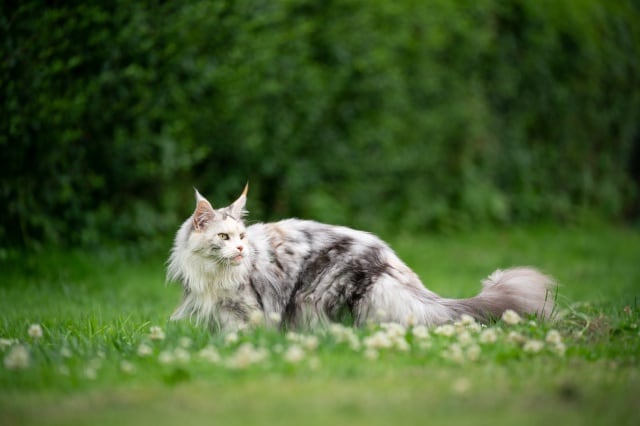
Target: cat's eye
{"points": [[223, 236], [242, 236]]}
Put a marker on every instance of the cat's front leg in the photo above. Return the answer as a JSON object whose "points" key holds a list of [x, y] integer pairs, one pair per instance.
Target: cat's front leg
{"points": [[305, 312], [237, 314]]}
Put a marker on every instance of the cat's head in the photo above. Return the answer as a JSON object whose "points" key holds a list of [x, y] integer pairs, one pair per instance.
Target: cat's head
{"points": [[211, 241], [219, 234]]}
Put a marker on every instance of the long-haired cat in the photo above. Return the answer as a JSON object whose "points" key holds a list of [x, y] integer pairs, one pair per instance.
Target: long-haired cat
{"points": [[300, 273]]}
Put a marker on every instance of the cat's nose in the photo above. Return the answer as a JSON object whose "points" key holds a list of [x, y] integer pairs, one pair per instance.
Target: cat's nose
{"points": [[240, 248]]}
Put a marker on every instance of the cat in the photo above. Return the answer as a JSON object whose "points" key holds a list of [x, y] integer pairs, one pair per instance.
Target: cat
{"points": [[304, 274]]}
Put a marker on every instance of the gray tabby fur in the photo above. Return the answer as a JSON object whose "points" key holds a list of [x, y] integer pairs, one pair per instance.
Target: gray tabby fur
{"points": [[305, 274]]}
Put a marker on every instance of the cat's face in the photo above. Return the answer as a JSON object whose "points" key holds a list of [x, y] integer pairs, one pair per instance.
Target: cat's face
{"points": [[219, 235]]}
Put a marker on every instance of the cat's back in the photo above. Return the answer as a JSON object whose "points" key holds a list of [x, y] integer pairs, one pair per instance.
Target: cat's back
{"points": [[312, 232], [303, 235]]}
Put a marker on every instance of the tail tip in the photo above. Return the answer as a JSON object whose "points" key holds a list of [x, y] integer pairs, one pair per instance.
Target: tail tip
{"points": [[529, 290]]}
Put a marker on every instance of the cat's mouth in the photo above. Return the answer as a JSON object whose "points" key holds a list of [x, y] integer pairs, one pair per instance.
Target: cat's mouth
{"points": [[237, 259]]}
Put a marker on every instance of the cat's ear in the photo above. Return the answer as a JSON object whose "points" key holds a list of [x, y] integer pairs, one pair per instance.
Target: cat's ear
{"points": [[203, 214], [237, 209]]}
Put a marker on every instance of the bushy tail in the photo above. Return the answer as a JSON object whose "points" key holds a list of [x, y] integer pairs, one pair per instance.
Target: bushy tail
{"points": [[524, 290]]}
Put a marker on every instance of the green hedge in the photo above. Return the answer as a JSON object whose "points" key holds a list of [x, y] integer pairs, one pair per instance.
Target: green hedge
{"points": [[401, 114]]}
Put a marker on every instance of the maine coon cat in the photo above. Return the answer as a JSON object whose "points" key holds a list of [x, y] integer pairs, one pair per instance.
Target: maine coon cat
{"points": [[300, 273]]}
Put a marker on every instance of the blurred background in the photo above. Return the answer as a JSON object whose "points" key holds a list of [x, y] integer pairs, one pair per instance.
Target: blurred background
{"points": [[383, 115]]}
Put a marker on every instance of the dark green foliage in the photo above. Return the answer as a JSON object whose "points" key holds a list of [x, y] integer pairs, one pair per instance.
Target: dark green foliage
{"points": [[432, 114]]}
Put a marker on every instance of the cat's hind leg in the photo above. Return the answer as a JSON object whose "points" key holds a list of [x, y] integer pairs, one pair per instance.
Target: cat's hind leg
{"points": [[390, 300]]}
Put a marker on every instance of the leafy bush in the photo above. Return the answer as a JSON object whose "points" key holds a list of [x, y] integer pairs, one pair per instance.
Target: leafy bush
{"points": [[421, 115]]}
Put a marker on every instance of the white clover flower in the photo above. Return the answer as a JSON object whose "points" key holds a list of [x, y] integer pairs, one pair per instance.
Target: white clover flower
{"points": [[275, 317], [95, 363], [516, 338], [184, 342], [246, 355], [420, 332], [156, 333], [559, 348], [447, 330], [401, 344], [209, 354], [467, 320], [411, 320], [394, 329], [454, 353], [65, 352], [466, 323], [464, 338], [127, 367], [310, 343], [533, 346], [510, 317], [292, 336], [553, 337], [339, 332], [35, 331], [354, 343], [475, 327], [473, 352], [17, 358], [144, 350], [343, 334], [182, 355], [256, 318], [231, 338], [165, 357], [371, 354], [489, 335], [425, 345], [378, 340], [293, 354], [5, 343], [90, 373]]}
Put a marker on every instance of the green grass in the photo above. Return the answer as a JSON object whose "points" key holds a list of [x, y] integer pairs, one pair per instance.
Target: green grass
{"points": [[96, 311]]}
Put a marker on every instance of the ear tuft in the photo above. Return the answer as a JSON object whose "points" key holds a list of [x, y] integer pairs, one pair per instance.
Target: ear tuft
{"points": [[199, 196], [237, 209]]}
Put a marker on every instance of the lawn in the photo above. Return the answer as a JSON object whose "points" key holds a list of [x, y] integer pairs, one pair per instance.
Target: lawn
{"points": [[85, 340]]}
